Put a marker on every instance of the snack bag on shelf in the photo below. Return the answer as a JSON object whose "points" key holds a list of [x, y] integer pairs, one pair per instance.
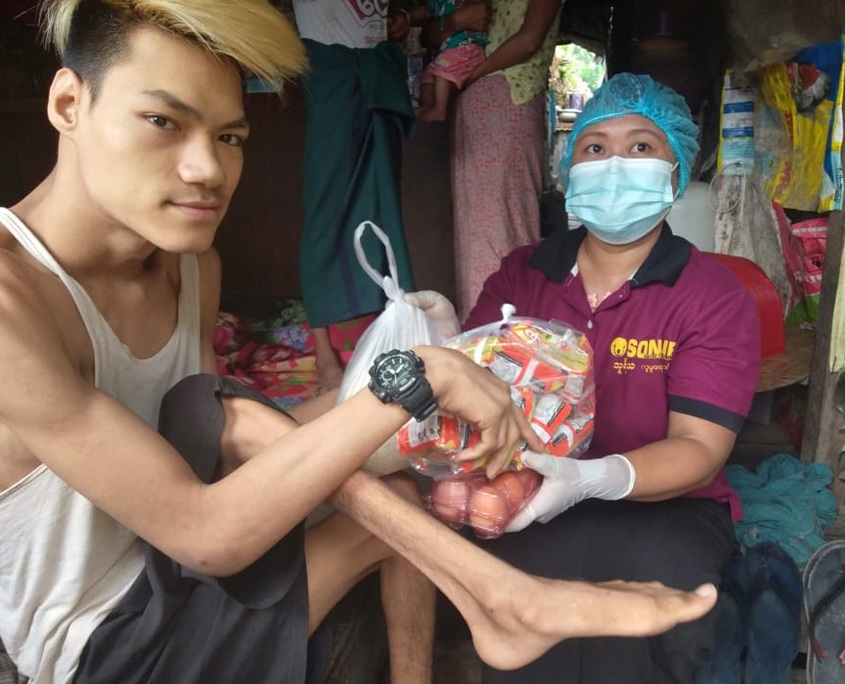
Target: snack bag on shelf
{"points": [[548, 365], [485, 505]]}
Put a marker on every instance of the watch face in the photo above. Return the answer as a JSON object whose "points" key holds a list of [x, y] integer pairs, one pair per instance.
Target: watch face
{"points": [[395, 372], [399, 376]]}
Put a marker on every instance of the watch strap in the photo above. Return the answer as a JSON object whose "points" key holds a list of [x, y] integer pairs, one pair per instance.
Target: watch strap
{"points": [[420, 401]]}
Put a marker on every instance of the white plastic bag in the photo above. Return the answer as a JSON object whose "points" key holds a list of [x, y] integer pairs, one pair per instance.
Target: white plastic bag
{"points": [[399, 326]]}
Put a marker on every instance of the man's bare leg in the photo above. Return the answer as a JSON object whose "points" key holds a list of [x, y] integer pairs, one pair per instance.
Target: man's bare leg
{"points": [[339, 553], [409, 602], [513, 617]]}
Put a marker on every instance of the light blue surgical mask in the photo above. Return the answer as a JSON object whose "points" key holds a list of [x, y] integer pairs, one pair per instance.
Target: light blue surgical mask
{"points": [[620, 199]]}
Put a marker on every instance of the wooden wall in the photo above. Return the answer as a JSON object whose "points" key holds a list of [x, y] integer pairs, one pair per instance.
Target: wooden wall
{"points": [[28, 151], [259, 238]]}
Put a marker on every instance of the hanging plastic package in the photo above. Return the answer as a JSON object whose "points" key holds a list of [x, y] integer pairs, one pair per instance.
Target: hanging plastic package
{"points": [[827, 57], [804, 244], [798, 131], [400, 326]]}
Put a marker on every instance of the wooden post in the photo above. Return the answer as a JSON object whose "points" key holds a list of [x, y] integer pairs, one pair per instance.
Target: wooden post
{"points": [[824, 428]]}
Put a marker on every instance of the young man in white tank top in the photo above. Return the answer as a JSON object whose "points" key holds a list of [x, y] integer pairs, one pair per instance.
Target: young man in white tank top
{"points": [[107, 272]]}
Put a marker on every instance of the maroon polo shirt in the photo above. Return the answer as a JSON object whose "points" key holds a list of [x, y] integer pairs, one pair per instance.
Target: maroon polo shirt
{"points": [[682, 335]]}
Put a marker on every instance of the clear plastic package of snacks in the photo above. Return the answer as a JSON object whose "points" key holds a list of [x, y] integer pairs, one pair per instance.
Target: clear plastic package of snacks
{"points": [[548, 365]]}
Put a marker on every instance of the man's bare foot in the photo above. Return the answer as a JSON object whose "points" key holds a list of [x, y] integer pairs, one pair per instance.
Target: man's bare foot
{"points": [[534, 619]]}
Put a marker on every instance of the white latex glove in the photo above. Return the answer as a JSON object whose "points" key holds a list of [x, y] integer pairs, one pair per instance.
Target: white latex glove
{"points": [[438, 309], [566, 481]]}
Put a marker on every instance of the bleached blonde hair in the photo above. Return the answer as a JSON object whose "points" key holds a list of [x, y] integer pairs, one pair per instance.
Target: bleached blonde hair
{"points": [[92, 35]]}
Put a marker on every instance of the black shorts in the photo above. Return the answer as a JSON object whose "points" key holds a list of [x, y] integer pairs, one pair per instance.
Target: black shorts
{"points": [[682, 542], [175, 625]]}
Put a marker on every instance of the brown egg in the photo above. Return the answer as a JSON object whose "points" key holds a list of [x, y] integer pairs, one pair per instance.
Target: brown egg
{"points": [[531, 480], [510, 484], [450, 498], [488, 512]]}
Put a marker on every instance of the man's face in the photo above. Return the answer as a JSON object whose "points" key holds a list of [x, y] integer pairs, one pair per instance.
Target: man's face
{"points": [[160, 149]]}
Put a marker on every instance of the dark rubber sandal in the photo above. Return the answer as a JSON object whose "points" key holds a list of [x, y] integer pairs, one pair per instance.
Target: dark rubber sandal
{"points": [[824, 603]]}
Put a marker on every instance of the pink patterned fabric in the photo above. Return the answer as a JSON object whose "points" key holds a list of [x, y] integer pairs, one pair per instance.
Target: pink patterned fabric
{"points": [[498, 152], [454, 64], [278, 360]]}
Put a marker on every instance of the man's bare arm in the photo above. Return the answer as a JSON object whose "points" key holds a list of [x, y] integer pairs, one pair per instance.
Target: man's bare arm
{"points": [[109, 455]]}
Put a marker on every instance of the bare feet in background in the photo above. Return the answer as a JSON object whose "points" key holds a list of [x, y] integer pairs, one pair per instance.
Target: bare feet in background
{"points": [[328, 366], [329, 376], [434, 100], [430, 114]]}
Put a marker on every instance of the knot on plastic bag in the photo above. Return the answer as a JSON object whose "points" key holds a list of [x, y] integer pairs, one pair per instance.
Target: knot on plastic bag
{"points": [[392, 290], [507, 310]]}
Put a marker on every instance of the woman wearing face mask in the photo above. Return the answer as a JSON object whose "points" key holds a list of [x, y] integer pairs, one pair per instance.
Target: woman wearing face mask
{"points": [[676, 345]]}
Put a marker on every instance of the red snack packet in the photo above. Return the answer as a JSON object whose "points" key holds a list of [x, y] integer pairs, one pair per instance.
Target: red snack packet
{"points": [[548, 366], [445, 433]]}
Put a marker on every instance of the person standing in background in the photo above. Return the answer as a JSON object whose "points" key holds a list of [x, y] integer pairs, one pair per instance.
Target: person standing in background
{"points": [[498, 142], [358, 109]]}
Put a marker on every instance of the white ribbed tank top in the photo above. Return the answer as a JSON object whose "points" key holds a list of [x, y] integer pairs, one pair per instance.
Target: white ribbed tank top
{"points": [[64, 564]]}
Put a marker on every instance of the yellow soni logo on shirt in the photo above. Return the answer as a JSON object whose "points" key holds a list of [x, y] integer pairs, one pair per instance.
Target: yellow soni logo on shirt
{"points": [[642, 349]]}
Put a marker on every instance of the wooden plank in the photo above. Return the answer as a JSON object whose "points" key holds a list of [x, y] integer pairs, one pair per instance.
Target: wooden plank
{"points": [[27, 153], [25, 105], [823, 433]]}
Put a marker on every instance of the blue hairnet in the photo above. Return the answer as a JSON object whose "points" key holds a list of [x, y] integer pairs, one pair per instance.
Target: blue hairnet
{"points": [[625, 94]]}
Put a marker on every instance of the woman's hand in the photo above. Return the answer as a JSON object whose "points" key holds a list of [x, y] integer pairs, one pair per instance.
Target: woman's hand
{"points": [[568, 481], [438, 309], [471, 16]]}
